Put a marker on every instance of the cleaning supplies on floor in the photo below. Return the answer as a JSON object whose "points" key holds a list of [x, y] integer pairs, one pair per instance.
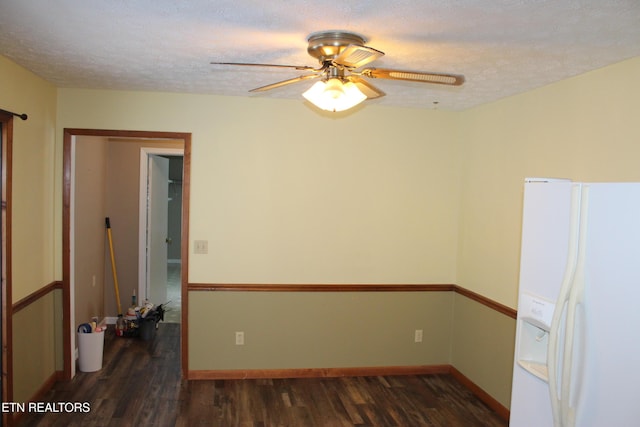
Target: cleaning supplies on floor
{"points": [[120, 326], [140, 321]]}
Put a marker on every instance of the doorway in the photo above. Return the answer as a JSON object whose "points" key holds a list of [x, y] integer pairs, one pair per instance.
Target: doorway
{"points": [[161, 178], [73, 137]]}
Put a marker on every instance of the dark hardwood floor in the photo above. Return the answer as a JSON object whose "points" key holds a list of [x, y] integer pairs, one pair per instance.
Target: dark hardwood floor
{"points": [[140, 385]]}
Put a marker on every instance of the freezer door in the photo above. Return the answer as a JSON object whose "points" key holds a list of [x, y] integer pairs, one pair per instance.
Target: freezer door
{"points": [[543, 259]]}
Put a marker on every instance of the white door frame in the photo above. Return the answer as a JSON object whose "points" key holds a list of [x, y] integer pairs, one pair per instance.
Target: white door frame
{"points": [[145, 152]]}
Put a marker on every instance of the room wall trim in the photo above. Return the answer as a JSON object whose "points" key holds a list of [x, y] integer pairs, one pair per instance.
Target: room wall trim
{"points": [[271, 287], [485, 397], [494, 305], [255, 287], [240, 374], [35, 296]]}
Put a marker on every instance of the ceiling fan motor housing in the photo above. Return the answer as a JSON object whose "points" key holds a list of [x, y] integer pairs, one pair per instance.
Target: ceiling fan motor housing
{"points": [[327, 45]]}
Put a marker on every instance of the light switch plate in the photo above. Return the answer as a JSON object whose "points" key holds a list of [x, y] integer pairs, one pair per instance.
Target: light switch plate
{"points": [[200, 246]]}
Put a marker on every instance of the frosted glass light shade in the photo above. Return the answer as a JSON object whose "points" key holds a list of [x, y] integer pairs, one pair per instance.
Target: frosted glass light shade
{"points": [[334, 95]]}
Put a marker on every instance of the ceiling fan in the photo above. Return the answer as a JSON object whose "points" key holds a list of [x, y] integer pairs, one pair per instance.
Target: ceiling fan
{"points": [[342, 82]]}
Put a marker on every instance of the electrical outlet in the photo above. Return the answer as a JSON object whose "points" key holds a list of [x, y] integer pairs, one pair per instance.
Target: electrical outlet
{"points": [[417, 336], [239, 338]]}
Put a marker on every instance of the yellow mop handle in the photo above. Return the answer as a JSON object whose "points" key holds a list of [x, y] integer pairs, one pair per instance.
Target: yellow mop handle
{"points": [[113, 265]]}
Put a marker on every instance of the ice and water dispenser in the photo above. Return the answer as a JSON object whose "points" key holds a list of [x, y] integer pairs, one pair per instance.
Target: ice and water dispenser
{"points": [[534, 314]]}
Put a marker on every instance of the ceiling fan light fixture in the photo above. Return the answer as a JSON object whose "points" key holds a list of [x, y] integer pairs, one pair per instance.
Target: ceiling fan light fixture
{"points": [[334, 95]]}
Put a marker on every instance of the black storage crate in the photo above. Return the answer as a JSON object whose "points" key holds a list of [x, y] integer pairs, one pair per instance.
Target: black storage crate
{"points": [[143, 327]]}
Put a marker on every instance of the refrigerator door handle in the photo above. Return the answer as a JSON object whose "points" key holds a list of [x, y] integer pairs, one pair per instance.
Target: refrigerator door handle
{"points": [[552, 364], [574, 309], [559, 409], [570, 361]]}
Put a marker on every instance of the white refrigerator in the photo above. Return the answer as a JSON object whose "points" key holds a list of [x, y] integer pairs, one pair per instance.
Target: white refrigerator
{"points": [[577, 354]]}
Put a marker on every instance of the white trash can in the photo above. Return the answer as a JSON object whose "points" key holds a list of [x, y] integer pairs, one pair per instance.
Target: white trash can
{"points": [[90, 348]]}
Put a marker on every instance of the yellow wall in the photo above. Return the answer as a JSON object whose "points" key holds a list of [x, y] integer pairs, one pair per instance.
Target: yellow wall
{"points": [[585, 128], [33, 176], [36, 334], [284, 195]]}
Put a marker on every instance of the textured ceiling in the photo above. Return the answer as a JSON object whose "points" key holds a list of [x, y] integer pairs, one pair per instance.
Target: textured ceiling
{"points": [[501, 47]]}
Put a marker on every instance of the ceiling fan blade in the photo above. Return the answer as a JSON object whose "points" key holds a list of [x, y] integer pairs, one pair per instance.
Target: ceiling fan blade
{"points": [[247, 64], [414, 76], [285, 82], [355, 56], [367, 88]]}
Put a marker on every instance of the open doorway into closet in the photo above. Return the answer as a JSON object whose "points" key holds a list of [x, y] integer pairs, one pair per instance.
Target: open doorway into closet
{"points": [[112, 174]]}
